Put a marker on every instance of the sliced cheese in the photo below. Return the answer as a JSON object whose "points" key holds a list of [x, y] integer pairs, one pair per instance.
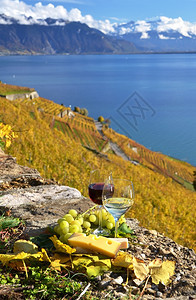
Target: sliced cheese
{"points": [[99, 244]]}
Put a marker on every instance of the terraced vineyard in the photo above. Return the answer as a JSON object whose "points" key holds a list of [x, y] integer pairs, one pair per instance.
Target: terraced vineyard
{"points": [[45, 105], [6, 89], [179, 171], [55, 147]]}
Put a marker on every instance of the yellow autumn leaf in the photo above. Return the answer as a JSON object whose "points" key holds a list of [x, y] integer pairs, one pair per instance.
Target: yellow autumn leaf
{"points": [[60, 247], [41, 256], [44, 256], [63, 258], [156, 263], [123, 259], [25, 246], [141, 271], [162, 273], [60, 260]]}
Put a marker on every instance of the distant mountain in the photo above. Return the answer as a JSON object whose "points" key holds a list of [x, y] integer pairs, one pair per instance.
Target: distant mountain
{"points": [[161, 35], [52, 38]]}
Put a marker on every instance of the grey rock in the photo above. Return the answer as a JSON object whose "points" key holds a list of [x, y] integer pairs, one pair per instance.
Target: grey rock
{"points": [[103, 284], [118, 280], [42, 206], [38, 195]]}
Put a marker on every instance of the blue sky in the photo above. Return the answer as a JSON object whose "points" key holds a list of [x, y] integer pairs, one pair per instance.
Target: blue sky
{"points": [[126, 10]]}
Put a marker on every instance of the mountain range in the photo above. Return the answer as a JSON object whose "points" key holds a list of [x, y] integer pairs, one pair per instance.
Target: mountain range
{"points": [[160, 35], [49, 38], [58, 36]]}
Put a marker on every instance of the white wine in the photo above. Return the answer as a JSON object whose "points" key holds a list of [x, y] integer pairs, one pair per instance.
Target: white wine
{"points": [[118, 206]]}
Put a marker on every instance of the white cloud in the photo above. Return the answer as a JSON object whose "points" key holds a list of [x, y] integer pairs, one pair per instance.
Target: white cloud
{"points": [[143, 27], [178, 24], [21, 11]]}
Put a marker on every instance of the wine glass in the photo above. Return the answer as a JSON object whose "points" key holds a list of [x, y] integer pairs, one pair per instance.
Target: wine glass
{"points": [[95, 190], [117, 198]]}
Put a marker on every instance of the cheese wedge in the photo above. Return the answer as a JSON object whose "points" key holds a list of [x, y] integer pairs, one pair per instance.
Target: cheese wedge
{"points": [[99, 244], [124, 244]]}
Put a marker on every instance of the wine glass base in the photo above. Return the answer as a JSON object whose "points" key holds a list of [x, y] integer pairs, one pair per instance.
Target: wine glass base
{"points": [[101, 231]]}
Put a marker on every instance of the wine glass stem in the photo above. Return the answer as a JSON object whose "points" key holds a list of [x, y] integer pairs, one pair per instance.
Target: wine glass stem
{"points": [[116, 227], [100, 217]]}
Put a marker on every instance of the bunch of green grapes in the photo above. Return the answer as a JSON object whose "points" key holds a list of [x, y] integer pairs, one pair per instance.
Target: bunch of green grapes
{"points": [[83, 223]]}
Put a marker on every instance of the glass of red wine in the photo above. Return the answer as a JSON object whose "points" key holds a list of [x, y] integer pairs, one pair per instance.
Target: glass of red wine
{"points": [[95, 190]]}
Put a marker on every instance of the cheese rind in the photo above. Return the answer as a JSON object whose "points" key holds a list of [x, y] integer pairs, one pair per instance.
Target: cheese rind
{"points": [[99, 244]]}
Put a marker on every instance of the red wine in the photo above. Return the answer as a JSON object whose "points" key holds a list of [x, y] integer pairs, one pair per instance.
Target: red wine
{"points": [[95, 192]]}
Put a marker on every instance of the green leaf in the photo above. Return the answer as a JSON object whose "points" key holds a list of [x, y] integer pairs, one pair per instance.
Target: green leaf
{"points": [[125, 230], [9, 222], [96, 269], [43, 241]]}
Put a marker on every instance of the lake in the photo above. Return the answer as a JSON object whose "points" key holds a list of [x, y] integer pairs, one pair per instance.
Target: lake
{"points": [[149, 97]]}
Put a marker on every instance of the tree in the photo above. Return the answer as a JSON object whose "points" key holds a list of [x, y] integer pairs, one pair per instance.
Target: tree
{"points": [[100, 119], [84, 112], [194, 180]]}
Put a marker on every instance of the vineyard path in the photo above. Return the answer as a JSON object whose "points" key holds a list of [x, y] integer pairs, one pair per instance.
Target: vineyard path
{"points": [[116, 149]]}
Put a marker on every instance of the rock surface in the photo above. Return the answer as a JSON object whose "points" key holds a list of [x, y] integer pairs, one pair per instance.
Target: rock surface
{"points": [[42, 206]]}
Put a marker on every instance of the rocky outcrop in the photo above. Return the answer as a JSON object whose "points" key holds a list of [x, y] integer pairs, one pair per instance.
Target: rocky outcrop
{"points": [[9, 169], [41, 206]]}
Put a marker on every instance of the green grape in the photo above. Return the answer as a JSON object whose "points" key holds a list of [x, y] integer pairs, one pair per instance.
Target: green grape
{"points": [[109, 225], [65, 230], [73, 213], [67, 236], [57, 229], [68, 218], [81, 220], [111, 219], [62, 238], [75, 222], [60, 220], [86, 224], [92, 218], [96, 221], [104, 212], [104, 222], [64, 224], [73, 228], [80, 229], [86, 216]]}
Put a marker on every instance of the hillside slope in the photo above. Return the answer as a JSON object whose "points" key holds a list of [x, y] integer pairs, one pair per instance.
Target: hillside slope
{"points": [[67, 148], [72, 38]]}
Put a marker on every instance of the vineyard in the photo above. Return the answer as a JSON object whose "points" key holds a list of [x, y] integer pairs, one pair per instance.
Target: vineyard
{"points": [[179, 171], [6, 89], [61, 148]]}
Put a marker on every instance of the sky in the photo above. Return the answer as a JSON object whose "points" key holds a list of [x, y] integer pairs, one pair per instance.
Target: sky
{"points": [[104, 14], [127, 10]]}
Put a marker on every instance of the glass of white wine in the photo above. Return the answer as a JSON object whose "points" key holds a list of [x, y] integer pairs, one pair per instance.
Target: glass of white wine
{"points": [[117, 198]]}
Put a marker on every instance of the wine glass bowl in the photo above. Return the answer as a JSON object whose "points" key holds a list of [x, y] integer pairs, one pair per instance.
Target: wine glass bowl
{"points": [[95, 190], [117, 198]]}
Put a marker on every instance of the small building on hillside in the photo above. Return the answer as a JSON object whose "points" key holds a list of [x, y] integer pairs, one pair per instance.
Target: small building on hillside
{"points": [[31, 95]]}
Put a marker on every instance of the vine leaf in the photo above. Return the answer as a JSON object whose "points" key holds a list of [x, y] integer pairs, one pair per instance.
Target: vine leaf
{"points": [[92, 265], [123, 259], [141, 271], [60, 247], [163, 272]]}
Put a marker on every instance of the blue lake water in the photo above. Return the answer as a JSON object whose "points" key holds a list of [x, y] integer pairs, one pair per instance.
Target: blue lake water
{"points": [[151, 98]]}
